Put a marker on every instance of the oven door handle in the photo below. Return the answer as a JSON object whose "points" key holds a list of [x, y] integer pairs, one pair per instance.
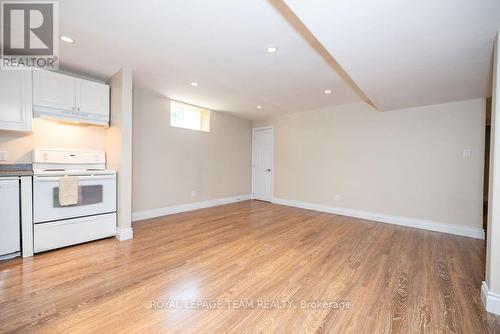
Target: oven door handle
{"points": [[80, 178]]}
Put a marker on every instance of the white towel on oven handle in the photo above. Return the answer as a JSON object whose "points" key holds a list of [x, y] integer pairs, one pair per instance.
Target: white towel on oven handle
{"points": [[68, 190]]}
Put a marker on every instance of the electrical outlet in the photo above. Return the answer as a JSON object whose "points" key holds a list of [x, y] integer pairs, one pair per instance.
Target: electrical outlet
{"points": [[338, 197], [467, 153], [193, 193], [3, 155]]}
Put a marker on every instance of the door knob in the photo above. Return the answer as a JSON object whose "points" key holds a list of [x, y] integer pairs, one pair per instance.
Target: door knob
{"points": [[268, 170]]}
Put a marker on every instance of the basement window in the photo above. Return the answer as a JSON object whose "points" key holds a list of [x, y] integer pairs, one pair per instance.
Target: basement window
{"points": [[187, 116]]}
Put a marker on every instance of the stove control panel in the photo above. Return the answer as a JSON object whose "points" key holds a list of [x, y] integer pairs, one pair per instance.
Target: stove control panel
{"points": [[53, 156]]}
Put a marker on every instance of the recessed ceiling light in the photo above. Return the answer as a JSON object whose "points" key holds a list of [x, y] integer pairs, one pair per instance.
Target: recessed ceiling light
{"points": [[259, 107], [67, 39], [194, 84], [272, 49], [327, 91]]}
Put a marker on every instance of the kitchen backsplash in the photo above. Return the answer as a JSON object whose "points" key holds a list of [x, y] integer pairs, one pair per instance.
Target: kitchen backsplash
{"points": [[49, 134]]}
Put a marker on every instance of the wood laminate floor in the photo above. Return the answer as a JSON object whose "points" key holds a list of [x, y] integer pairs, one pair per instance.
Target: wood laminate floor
{"points": [[252, 267]]}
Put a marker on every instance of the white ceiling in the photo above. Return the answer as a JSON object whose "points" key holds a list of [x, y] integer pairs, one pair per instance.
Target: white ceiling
{"points": [[398, 53], [408, 53], [219, 44]]}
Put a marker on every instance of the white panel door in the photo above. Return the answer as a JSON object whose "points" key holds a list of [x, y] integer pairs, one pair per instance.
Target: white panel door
{"points": [[53, 90], [10, 217], [262, 164], [16, 111], [92, 97]]}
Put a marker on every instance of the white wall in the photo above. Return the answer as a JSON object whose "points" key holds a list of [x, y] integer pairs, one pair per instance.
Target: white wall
{"points": [[405, 163], [491, 288], [118, 141], [169, 163], [49, 134]]}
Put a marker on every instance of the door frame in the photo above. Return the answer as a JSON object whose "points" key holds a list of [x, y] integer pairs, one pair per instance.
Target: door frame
{"points": [[271, 200]]}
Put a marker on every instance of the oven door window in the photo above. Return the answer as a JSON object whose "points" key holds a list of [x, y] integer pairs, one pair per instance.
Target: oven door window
{"points": [[87, 195]]}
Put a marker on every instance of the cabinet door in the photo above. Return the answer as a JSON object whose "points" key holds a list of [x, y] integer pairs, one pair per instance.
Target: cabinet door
{"points": [[10, 221], [16, 111], [92, 97], [53, 90]]}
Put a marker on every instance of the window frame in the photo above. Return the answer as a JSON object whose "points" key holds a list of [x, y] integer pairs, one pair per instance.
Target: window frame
{"points": [[204, 115]]}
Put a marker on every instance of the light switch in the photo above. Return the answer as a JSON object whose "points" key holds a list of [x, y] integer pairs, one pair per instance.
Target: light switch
{"points": [[3, 155], [467, 153]]}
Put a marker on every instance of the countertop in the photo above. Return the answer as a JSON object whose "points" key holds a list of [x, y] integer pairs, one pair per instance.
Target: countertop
{"points": [[16, 170]]}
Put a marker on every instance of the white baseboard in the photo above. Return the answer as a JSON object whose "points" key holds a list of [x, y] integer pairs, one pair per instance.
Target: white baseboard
{"points": [[9, 256], [124, 234], [491, 301], [477, 233], [169, 210]]}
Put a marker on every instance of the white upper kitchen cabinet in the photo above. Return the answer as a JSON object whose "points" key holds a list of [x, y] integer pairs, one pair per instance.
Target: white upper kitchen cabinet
{"points": [[69, 98], [15, 100], [92, 97], [53, 90]]}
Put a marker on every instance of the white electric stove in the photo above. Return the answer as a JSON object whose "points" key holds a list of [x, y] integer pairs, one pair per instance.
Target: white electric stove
{"points": [[93, 217]]}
